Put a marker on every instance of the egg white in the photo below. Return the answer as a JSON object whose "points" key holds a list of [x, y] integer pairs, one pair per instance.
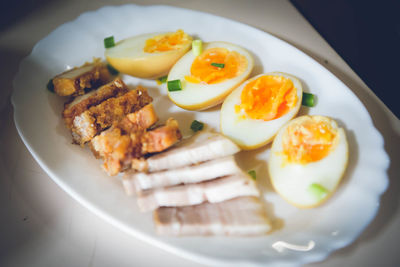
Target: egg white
{"points": [[198, 96], [128, 56], [292, 180], [251, 133]]}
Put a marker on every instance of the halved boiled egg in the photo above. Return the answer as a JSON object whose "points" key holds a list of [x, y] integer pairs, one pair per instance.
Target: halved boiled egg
{"points": [[254, 112], [308, 158], [149, 55], [209, 77]]}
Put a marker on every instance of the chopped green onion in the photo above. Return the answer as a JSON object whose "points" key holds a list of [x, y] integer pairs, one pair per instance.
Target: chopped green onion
{"points": [[109, 42], [162, 79], [197, 47], [174, 85], [318, 191], [112, 70], [218, 65], [50, 86], [253, 174], [197, 126], [308, 100]]}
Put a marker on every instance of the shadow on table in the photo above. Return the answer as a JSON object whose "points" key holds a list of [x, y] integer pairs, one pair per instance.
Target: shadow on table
{"points": [[9, 64]]}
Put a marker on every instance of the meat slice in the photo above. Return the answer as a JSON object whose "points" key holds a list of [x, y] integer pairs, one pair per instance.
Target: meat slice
{"points": [[81, 103], [129, 139], [201, 147], [213, 191], [160, 138], [141, 119], [119, 144], [243, 216], [97, 118], [139, 181], [74, 82]]}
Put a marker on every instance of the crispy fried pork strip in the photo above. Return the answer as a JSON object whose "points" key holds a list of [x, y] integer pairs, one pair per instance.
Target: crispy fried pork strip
{"points": [[81, 103], [213, 191], [114, 148], [139, 181], [141, 119], [161, 138], [129, 139], [74, 82], [97, 118], [199, 148], [117, 145], [243, 216]]}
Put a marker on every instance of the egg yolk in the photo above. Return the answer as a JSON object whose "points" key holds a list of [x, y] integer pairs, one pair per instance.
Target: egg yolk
{"points": [[216, 65], [267, 98], [308, 141], [167, 42]]}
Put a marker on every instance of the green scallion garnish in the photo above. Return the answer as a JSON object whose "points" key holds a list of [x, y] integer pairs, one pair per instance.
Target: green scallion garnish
{"points": [[197, 126], [50, 86], [308, 100], [318, 191], [253, 174], [218, 65], [162, 79], [174, 85], [112, 70], [197, 47], [109, 42]]}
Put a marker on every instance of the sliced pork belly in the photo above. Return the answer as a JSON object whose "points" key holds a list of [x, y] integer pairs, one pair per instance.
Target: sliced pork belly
{"points": [[199, 148], [141, 119], [213, 191], [97, 118], [243, 216], [119, 144], [81, 103], [208, 170], [161, 137], [129, 139], [74, 82]]}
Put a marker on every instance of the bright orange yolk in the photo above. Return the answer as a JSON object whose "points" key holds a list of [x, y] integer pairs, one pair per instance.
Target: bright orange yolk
{"points": [[234, 64], [167, 42], [267, 98], [309, 141]]}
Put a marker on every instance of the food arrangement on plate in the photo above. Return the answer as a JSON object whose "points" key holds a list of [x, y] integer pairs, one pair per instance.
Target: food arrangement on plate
{"points": [[297, 236], [194, 185]]}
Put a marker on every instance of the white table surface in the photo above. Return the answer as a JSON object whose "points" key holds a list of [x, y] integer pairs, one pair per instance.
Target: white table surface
{"points": [[43, 226]]}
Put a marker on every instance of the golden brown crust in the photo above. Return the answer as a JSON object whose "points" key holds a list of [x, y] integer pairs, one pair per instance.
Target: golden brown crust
{"points": [[127, 140], [114, 109], [116, 148], [122, 142], [97, 118], [115, 88], [74, 82], [143, 118], [161, 138]]}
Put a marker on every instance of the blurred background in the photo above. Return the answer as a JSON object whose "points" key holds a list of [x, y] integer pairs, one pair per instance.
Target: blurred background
{"points": [[366, 34]]}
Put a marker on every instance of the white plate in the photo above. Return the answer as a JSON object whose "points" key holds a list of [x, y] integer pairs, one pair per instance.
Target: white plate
{"points": [[320, 231]]}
